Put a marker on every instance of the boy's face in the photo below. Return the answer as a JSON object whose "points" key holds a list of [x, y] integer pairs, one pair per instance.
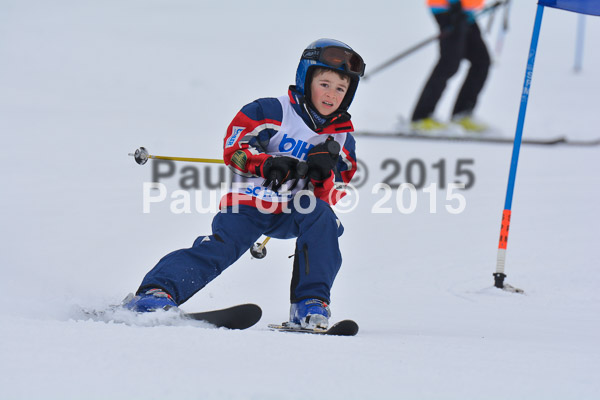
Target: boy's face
{"points": [[327, 90]]}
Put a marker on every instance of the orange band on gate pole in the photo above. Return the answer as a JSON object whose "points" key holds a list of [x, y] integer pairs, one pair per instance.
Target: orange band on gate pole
{"points": [[504, 229]]}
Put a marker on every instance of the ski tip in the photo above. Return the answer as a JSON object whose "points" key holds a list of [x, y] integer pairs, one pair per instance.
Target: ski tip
{"points": [[241, 316], [346, 327]]}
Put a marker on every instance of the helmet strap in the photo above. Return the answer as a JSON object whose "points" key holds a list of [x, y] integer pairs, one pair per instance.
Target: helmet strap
{"points": [[319, 119]]}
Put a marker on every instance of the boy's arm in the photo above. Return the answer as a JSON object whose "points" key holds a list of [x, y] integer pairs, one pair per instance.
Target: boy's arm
{"points": [[346, 168], [248, 135]]}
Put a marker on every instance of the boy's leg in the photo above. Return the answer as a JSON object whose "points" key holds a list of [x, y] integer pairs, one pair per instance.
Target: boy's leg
{"points": [[317, 259], [184, 272], [477, 54]]}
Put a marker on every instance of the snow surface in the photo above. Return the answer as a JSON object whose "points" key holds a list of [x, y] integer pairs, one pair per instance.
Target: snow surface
{"points": [[82, 83]]}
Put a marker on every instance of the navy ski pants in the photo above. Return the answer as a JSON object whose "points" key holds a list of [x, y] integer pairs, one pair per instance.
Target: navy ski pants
{"points": [[184, 272]]}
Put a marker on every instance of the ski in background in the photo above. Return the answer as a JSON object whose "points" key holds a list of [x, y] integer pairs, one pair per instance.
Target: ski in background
{"points": [[475, 137], [453, 132]]}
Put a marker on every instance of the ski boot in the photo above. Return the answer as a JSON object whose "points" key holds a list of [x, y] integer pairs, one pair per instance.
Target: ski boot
{"points": [[469, 124], [310, 314], [150, 300], [428, 125]]}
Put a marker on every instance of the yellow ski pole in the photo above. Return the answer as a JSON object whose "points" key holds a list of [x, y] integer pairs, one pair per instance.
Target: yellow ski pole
{"points": [[141, 156]]}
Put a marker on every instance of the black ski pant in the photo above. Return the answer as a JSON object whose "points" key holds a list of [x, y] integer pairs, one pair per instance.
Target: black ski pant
{"points": [[459, 42]]}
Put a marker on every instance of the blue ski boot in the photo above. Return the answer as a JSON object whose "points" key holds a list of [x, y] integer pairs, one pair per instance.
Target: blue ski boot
{"points": [[310, 314], [150, 300]]}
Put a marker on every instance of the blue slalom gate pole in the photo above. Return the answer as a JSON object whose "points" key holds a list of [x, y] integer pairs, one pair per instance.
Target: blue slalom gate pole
{"points": [[499, 275], [579, 43]]}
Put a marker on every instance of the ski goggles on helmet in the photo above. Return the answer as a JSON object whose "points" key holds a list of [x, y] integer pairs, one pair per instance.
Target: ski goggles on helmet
{"points": [[337, 57]]}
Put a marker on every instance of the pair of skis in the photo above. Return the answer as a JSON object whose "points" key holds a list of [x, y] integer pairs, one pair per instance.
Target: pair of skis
{"points": [[244, 316]]}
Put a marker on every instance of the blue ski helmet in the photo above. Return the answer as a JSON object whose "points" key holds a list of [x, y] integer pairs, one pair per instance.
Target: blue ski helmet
{"points": [[334, 55]]}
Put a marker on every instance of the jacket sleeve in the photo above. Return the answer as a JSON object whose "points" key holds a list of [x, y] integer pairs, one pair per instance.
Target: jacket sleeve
{"points": [[346, 168], [248, 135]]}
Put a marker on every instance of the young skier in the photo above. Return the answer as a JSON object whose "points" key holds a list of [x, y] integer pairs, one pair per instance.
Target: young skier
{"points": [[279, 146]]}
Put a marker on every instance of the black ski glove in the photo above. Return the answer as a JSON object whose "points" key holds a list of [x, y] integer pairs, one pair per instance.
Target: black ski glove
{"points": [[322, 159], [279, 170]]}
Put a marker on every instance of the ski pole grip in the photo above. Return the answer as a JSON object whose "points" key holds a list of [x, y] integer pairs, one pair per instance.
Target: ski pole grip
{"points": [[333, 147], [301, 169]]}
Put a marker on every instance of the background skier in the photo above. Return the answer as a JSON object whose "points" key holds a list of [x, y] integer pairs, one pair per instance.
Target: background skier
{"points": [[460, 39]]}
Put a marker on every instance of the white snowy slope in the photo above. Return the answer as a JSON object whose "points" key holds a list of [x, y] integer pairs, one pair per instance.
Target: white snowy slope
{"points": [[83, 83]]}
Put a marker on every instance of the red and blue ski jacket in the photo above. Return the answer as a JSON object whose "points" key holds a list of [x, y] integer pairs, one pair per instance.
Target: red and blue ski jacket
{"points": [[282, 127]]}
